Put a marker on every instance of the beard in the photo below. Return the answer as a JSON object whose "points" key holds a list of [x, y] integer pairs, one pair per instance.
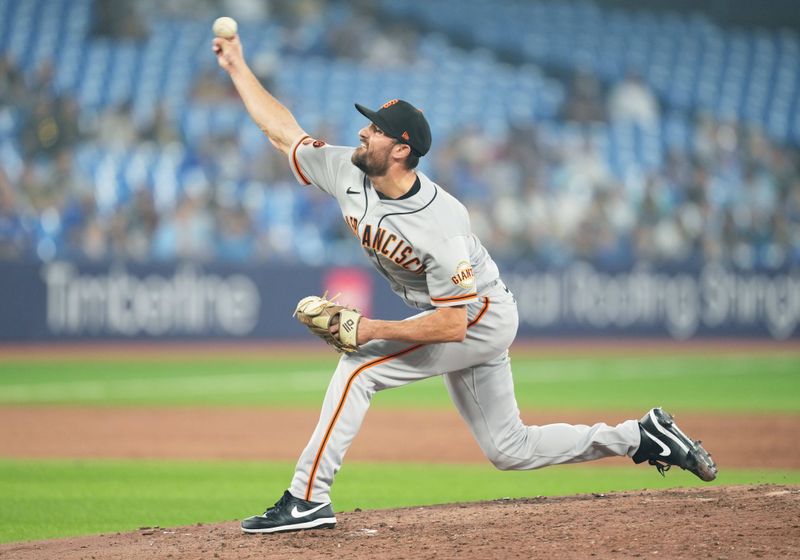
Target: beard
{"points": [[373, 165]]}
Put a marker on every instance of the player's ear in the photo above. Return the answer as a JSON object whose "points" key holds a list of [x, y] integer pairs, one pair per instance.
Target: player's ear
{"points": [[401, 151]]}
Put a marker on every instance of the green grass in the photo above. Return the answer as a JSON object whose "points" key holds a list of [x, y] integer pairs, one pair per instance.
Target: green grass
{"points": [[47, 499], [44, 499], [765, 383]]}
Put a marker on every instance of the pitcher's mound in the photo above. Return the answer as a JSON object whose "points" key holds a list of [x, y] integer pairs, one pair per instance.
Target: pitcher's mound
{"points": [[713, 522]]}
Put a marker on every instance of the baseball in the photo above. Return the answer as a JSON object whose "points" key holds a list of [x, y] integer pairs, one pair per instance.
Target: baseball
{"points": [[224, 27]]}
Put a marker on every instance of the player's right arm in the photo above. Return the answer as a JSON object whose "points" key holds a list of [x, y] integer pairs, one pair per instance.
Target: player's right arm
{"points": [[275, 120], [445, 324]]}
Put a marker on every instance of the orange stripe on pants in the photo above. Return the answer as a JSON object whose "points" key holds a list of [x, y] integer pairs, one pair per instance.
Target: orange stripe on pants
{"points": [[352, 378], [349, 384]]}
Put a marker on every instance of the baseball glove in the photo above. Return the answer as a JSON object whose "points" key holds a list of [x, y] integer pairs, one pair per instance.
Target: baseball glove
{"points": [[320, 314]]}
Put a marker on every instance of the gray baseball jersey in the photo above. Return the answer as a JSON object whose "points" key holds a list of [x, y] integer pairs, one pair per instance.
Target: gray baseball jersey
{"points": [[423, 244]]}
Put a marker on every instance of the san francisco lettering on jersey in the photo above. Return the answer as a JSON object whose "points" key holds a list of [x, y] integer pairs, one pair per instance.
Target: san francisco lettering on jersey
{"points": [[387, 244]]}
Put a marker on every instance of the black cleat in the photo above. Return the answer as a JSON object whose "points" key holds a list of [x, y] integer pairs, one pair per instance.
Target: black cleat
{"points": [[664, 444], [291, 514]]}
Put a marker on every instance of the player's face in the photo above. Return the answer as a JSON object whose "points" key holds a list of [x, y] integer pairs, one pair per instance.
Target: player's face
{"points": [[373, 157]]}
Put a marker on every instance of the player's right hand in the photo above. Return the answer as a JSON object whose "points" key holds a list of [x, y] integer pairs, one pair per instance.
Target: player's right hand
{"points": [[229, 52]]}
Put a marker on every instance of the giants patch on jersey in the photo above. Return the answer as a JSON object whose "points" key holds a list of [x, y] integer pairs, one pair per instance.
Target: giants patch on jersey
{"points": [[463, 276]]}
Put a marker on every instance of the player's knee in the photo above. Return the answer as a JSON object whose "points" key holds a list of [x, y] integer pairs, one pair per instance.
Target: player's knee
{"points": [[501, 461], [510, 450]]}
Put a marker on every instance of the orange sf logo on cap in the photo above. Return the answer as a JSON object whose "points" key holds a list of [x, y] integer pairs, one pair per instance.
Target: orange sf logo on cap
{"points": [[405, 135], [389, 103]]}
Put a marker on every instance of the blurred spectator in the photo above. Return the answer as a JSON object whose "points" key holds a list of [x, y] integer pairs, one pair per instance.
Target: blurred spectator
{"points": [[135, 227], [585, 101], [235, 235], [119, 19], [40, 134], [115, 127], [83, 235], [362, 38], [212, 87], [188, 8], [297, 13], [62, 177], [12, 82], [41, 82], [544, 188], [186, 234], [631, 100], [246, 10], [68, 122], [38, 193], [161, 128], [14, 235]]}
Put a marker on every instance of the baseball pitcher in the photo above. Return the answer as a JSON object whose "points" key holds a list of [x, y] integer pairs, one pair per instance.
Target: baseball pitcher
{"points": [[419, 238]]}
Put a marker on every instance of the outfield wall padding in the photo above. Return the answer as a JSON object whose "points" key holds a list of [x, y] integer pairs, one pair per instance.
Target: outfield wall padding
{"points": [[120, 301]]}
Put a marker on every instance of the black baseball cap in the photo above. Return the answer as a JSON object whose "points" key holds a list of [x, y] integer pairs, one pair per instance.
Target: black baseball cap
{"points": [[403, 122]]}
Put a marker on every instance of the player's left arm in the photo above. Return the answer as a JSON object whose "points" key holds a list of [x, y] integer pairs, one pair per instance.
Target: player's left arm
{"points": [[445, 324]]}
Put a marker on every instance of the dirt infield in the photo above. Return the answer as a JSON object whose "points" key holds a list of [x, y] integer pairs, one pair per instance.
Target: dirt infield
{"points": [[134, 351], [718, 522], [416, 435], [721, 523]]}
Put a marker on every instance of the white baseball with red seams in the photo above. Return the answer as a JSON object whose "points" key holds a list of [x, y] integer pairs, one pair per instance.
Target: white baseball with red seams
{"points": [[423, 245]]}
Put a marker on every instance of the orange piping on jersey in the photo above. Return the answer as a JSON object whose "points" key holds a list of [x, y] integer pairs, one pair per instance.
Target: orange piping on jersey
{"points": [[453, 298], [297, 165], [356, 373], [480, 315]]}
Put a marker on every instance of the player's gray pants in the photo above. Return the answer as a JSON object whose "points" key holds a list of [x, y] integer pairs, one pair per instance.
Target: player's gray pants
{"points": [[477, 373]]}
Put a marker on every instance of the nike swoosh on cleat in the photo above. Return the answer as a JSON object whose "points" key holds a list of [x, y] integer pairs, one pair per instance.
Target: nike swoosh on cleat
{"points": [[668, 434], [352, 192], [298, 514], [665, 450]]}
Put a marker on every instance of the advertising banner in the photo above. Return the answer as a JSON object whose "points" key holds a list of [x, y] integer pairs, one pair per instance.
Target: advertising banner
{"points": [[683, 303], [67, 301]]}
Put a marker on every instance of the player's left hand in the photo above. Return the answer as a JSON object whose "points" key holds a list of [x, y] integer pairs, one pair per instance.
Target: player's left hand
{"points": [[335, 324]]}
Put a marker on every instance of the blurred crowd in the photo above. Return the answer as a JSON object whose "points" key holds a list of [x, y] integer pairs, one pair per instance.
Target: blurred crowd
{"points": [[733, 197]]}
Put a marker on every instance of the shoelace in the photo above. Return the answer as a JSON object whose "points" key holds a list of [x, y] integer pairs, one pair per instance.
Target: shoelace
{"points": [[664, 467], [277, 505], [660, 467]]}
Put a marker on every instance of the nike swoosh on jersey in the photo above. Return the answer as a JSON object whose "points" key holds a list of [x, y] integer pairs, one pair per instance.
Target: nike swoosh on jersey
{"points": [[352, 192], [299, 514], [665, 452]]}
